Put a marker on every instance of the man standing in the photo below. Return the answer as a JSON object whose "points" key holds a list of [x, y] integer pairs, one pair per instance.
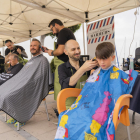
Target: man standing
{"points": [[1, 63], [20, 51], [63, 34], [74, 71], [21, 95], [15, 67]]}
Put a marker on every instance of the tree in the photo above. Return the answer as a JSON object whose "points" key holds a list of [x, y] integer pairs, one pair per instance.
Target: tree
{"points": [[72, 28]]}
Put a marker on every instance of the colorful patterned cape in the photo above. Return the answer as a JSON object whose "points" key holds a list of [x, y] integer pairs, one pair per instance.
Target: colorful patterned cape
{"points": [[90, 117]]}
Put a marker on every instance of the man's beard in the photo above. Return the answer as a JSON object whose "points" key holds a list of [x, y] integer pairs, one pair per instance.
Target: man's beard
{"points": [[37, 52], [57, 32], [12, 48], [74, 58]]}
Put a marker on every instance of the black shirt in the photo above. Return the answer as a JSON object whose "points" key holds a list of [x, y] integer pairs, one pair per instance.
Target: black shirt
{"points": [[63, 36], [1, 64], [7, 51], [65, 71], [13, 70]]}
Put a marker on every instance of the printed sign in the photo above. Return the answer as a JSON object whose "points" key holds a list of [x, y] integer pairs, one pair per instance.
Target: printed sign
{"points": [[98, 32]]}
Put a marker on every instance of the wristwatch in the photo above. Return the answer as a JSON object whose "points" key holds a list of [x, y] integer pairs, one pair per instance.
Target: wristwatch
{"points": [[52, 53]]}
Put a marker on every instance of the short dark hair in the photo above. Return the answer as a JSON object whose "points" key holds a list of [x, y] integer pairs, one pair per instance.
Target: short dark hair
{"points": [[34, 39], [104, 50], [8, 40], [59, 22]]}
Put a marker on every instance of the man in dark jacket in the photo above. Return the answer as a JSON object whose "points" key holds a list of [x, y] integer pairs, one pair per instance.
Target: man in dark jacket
{"points": [[15, 67], [1, 63]]}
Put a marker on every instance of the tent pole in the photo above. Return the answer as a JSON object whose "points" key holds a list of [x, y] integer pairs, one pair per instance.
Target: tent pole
{"points": [[42, 38], [84, 38], [3, 51]]}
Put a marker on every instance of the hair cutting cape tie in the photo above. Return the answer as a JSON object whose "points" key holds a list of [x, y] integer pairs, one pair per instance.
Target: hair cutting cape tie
{"points": [[90, 117]]}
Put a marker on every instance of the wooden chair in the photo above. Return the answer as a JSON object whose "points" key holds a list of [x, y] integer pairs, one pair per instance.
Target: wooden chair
{"points": [[123, 101]]}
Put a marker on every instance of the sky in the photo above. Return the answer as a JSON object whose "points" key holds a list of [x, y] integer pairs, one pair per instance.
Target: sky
{"points": [[124, 31]]}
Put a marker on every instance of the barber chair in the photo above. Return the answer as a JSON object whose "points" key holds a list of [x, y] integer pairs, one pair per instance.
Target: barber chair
{"points": [[123, 101]]}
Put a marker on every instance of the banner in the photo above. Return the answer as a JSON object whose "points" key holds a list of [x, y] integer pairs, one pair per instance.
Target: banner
{"points": [[98, 32]]}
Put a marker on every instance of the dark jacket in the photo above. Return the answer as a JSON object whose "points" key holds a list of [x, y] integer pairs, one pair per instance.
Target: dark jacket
{"points": [[13, 70], [1, 63]]}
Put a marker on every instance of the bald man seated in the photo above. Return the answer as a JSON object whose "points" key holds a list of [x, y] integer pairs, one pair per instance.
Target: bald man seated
{"points": [[74, 71]]}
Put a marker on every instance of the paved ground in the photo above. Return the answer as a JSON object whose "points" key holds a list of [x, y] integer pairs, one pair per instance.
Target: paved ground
{"points": [[39, 128]]}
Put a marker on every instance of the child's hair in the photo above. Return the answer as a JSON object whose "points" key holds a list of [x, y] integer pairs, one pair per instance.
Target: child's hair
{"points": [[104, 50]]}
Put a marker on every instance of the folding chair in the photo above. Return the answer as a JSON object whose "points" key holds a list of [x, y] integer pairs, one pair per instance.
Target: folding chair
{"points": [[46, 112], [123, 101]]}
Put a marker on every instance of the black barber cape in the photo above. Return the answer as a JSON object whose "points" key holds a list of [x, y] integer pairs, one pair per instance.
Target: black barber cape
{"points": [[13, 70]]}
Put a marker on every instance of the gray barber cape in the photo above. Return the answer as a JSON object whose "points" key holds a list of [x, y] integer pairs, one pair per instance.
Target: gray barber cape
{"points": [[21, 95]]}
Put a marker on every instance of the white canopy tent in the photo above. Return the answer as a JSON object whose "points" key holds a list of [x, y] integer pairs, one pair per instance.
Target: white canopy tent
{"points": [[22, 19], [19, 22]]}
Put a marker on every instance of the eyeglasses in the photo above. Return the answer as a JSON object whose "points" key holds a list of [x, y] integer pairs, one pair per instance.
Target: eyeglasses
{"points": [[51, 29]]}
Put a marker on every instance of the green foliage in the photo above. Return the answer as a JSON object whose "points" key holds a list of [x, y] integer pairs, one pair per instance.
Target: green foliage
{"points": [[75, 28], [50, 34], [52, 66], [72, 28]]}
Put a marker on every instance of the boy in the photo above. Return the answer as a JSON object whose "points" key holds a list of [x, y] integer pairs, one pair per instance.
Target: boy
{"points": [[91, 115], [105, 54]]}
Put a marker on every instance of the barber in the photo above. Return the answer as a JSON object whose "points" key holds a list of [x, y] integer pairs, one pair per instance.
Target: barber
{"points": [[19, 50], [63, 34], [74, 71]]}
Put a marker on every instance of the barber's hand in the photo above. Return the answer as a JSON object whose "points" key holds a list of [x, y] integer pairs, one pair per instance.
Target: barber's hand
{"points": [[49, 52], [45, 49], [88, 65], [7, 58], [19, 51]]}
